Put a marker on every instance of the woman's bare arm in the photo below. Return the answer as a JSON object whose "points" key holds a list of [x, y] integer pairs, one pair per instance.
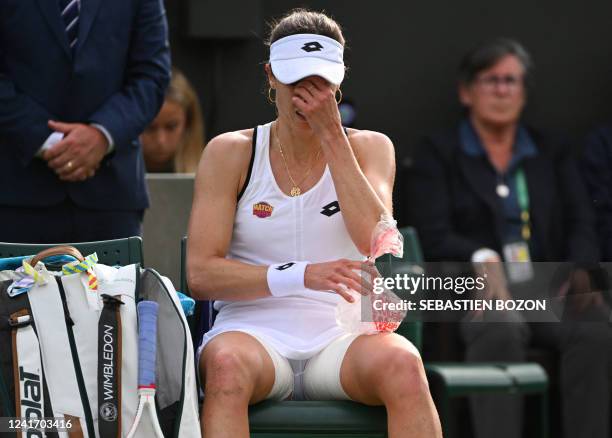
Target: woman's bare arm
{"points": [[363, 169], [220, 175]]}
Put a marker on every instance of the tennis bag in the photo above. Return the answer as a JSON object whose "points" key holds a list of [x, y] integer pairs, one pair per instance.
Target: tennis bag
{"points": [[69, 351]]}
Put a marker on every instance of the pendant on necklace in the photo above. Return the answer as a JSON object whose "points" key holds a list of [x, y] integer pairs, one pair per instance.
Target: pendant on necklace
{"points": [[295, 191], [502, 190]]}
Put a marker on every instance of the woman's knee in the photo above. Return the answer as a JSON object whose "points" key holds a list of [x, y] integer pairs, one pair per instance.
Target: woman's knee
{"points": [[399, 373], [229, 371]]}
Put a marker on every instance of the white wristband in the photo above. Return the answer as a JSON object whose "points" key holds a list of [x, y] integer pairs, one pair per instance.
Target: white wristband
{"points": [[286, 278]]}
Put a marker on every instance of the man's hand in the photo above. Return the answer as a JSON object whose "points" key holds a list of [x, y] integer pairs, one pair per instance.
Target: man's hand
{"points": [[495, 280], [492, 270], [579, 294], [78, 155]]}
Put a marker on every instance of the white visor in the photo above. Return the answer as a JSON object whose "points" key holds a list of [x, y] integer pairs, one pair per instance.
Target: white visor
{"points": [[297, 56]]}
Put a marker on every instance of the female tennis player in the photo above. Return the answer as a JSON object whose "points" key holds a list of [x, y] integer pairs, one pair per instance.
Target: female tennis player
{"points": [[280, 226]]}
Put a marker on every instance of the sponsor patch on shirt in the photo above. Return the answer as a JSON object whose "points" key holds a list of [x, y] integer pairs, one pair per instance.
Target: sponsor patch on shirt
{"points": [[262, 210]]}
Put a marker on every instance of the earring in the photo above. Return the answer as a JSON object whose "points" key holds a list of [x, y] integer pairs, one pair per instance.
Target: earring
{"points": [[338, 99], [270, 99]]}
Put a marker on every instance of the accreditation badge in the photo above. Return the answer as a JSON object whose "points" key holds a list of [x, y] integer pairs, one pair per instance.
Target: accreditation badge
{"points": [[518, 262]]}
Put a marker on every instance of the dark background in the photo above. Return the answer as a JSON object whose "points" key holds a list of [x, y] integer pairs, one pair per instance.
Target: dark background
{"points": [[403, 56]]}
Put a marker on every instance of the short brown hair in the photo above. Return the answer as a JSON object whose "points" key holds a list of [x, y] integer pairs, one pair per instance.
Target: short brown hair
{"points": [[302, 20]]}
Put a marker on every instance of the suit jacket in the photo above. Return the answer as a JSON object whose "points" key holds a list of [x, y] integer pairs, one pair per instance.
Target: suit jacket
{"points": [[116, 78], [450, 198], [597, 169]]}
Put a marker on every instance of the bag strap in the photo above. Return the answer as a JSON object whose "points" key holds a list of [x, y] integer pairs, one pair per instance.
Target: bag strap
{"points": [[109, 368], [27, 367], [57, 250], [5, 399]]}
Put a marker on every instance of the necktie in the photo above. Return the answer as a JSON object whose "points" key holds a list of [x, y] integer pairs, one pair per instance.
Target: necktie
{"points": [[70, 16]]}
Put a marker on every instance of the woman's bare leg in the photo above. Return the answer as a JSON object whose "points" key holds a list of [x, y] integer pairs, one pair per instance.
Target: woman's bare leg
{"points": [[387, 369], [236, 371]]}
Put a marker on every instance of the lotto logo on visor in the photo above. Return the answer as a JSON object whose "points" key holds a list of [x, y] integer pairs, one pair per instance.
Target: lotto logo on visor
{"points": [[262, 210], [313, 46], [298, 56]]}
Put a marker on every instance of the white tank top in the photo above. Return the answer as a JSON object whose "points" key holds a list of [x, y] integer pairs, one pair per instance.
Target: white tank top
{"points": [[271, 227]]}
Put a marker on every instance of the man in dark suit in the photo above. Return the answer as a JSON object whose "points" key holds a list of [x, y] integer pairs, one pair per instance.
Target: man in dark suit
{"points": [[79, 81], [493, 190]]}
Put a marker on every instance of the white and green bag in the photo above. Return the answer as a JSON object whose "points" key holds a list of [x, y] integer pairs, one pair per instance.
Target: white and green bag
{"points": [[69, 350]]}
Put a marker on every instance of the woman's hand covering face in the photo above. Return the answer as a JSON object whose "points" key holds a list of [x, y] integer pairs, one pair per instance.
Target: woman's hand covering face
{"points": [[315, 100]]}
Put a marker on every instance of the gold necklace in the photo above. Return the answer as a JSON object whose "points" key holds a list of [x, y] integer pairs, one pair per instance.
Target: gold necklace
{"points": [[295, 190]]}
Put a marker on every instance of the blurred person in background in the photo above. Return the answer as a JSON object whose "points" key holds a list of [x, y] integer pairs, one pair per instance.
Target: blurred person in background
{"points": [[493, 189], [79, 81], [281, 221], [597, 170], [174, 141]]}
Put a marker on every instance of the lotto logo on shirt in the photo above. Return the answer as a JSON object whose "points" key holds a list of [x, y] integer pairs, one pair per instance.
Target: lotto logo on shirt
{"points": [[262, 210]]}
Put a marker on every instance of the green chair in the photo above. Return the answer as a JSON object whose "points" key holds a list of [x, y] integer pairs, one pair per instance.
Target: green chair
{"points": [[451, 380], [110, 252]]}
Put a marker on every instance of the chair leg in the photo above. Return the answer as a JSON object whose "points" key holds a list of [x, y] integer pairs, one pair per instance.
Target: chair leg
{"points": [[544, 414]]}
